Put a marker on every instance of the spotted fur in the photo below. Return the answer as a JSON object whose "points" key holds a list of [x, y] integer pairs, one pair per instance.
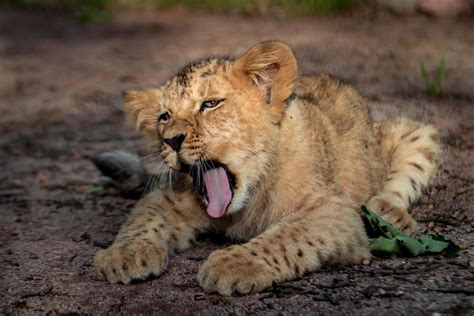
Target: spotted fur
{"points": [[305, 155]]}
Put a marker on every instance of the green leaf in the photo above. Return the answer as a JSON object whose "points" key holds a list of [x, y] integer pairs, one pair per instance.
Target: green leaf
{"points": [[440, 244], [387, 239], [440, 74], [96, 189], [384, 245], [434, 83], [400, 246], [380, 227], [410, 246], [432, 245]]}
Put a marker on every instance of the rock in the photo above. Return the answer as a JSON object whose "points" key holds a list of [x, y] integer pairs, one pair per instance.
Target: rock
{"points": [[444, 8]]}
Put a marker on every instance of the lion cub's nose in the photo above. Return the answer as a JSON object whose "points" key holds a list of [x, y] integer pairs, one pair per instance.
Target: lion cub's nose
{"points": [[175, 142]]}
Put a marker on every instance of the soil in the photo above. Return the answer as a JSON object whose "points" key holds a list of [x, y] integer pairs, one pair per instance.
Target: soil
{"points": [[60, 86]]}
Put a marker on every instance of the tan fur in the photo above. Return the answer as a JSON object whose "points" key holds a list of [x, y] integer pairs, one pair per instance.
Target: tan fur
{"points": [[305, 155], [410, 150]]}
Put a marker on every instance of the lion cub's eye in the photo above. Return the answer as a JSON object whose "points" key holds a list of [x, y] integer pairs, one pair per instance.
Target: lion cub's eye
{"points": [[209, 104], [164, 117]]}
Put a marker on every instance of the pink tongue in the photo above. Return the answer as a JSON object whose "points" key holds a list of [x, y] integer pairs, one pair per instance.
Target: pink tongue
{"points": [[218, 190]]}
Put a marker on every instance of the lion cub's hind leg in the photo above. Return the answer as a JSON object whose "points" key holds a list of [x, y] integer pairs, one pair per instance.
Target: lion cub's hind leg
{"points": [[395, 215], [411, 151]]}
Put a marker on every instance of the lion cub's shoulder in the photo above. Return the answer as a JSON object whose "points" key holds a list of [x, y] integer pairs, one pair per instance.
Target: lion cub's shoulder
{"points": [[317, 85], [341, 104]]}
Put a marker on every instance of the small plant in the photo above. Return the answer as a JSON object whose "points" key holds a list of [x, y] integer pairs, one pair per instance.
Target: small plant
{"points": [[434, 83]]}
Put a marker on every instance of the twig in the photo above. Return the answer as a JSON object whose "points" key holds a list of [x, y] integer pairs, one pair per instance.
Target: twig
{"points": [[468, 291], [11, 193], [41, 292]]}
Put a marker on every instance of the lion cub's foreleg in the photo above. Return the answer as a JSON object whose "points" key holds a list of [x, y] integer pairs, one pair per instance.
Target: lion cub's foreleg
{"points": [[331, 232], [158, 225]]}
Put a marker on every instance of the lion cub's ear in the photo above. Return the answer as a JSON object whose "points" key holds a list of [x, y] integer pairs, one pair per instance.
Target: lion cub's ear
{"points": [[271, 67], [141, 107]]}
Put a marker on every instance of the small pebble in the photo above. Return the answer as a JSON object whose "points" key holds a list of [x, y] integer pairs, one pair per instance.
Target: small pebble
{"points": [[366, 262], [398, 293], [463, 246], [471, 263], [431, 225]]}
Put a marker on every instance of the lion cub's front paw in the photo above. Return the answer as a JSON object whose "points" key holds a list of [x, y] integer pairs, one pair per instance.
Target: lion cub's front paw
{"points": [[234, 270], [130, 261]]}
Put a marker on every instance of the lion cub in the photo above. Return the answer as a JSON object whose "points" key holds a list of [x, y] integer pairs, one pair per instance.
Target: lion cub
{"points": [[277, 160]]}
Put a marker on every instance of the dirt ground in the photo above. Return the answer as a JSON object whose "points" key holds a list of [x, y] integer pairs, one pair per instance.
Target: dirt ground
{"points": [[60, 86]]}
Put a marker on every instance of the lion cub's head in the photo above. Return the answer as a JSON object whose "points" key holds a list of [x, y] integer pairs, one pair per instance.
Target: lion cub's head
{"points": [[219, 120]]}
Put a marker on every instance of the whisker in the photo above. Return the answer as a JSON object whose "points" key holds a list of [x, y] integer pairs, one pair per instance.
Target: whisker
{"points": [[198, 173], [136, 161], [206, 162], [161, 179], [150, 180], [170, 188], [158, 175]]}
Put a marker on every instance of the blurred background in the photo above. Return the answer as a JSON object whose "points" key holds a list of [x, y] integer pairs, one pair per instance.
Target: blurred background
{"points": [[67, 50], [64, 64]]}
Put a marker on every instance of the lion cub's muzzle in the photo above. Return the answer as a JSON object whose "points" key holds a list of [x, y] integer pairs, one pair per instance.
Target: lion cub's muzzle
{"points": [[175, 142]]}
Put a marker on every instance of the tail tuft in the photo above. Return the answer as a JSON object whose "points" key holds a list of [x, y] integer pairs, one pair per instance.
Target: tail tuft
{"points": [[126, 170]]}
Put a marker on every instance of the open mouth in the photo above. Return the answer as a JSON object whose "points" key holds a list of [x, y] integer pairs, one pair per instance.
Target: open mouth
{"points": [[216, 183]]}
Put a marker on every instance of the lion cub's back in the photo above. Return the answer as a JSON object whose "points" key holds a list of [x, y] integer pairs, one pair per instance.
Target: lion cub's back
{"points": [[356, 166], [342, 104]]}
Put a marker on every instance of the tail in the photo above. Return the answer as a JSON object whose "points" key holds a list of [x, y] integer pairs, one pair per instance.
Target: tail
{"points": [[125, 170], [410, 151]]}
